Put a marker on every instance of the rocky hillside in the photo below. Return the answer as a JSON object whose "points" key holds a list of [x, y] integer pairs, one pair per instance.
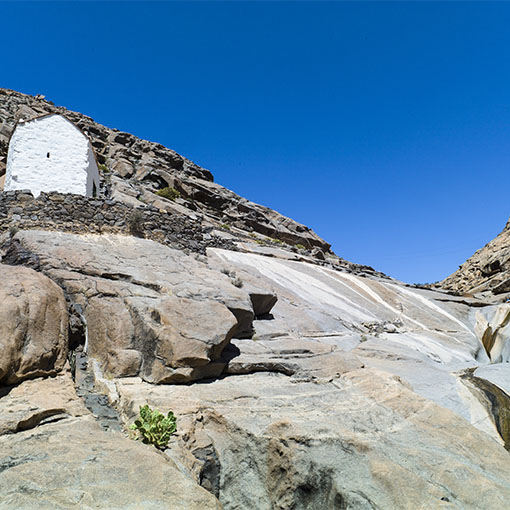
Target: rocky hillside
{"points": [[133, 170], [488, 270], [298, 381]]}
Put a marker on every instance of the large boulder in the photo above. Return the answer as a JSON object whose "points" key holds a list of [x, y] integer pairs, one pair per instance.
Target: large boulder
{"points": [[33, 325], [165, 340], [149, 310]]}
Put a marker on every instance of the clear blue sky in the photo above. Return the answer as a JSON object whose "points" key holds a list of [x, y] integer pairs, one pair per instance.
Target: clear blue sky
{"points": [[383, 126]]}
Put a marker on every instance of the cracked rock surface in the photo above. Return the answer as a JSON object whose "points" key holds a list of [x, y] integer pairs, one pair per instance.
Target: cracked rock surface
{"points": [[33, 325], [306, 387], [54, 455]]}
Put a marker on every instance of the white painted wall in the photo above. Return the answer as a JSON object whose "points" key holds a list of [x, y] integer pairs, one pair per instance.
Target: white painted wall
{"points": [[70, 167]]}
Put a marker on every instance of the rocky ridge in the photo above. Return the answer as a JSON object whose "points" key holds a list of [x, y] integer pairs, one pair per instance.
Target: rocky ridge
{"points": [[487, 271], [132, 170], [299, 381]]}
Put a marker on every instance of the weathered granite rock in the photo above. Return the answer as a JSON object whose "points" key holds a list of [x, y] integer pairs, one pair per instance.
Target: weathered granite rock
{"points": [[488, 269], [165, 340], [38, 401], [55, 456], [493, 328], [327, 323], [365, 440], [339, 387], [33, 325], [149, 310]]}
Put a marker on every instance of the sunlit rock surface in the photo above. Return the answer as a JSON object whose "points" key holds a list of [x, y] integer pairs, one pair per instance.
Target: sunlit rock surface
{"points": [[299, 380]]}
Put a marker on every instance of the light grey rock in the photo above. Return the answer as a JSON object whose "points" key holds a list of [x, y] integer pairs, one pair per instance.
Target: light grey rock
{"points": [[365, 440], [337, 321], [75, 464], [32, 403], [54, 455]]}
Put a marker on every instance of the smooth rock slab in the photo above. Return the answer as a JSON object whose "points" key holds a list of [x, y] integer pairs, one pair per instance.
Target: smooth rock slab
{"points": [[37, 401], [364, 441]]}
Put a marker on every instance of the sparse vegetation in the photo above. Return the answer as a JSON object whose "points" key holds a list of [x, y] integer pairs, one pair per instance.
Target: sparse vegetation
{"points": [[13, 230], [277, 241], [103, 168], [300, 247], [136, 223], [236, 281], [168, 193], [225, 226], [153, 427]]}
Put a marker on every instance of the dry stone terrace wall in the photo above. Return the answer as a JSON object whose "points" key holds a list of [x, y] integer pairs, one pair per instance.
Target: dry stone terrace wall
{"points": [[78, 214]]}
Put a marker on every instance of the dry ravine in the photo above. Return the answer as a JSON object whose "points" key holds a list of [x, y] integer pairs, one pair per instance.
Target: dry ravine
{"points": [[300, 381]]}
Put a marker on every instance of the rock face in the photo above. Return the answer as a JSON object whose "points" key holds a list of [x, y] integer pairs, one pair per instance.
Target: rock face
{"points": [[309, 382], [487, 270], [321, 383], [33, 325], [363, 441], [167, 319], [55, 456]]}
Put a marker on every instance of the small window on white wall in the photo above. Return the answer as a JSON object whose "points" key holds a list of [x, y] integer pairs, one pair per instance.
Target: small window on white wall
{"points": [[72, 168]]}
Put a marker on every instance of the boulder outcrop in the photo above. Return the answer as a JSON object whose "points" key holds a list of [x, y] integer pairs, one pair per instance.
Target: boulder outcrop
{"points": [[33, 325], [54, 455], [487, 270], [363, 441], [149, 310]]}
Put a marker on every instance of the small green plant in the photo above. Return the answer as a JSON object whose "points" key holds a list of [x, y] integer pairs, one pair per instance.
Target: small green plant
{"points": [[300, 247], [169, 193], [225, 226], [154, 427], [103, 168], [277, 241]]}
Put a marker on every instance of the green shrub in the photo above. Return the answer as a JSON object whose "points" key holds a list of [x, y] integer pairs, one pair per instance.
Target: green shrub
{"points": [[300, 247], [103, 168], [225, 226], [153, 427], [169, 193]]}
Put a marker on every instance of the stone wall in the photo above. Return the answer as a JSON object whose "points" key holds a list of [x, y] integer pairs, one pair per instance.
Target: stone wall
{"points": [[79, 214]]}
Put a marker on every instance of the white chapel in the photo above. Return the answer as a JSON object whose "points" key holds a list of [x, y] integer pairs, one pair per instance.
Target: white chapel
{"points": [[50, 153]]}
